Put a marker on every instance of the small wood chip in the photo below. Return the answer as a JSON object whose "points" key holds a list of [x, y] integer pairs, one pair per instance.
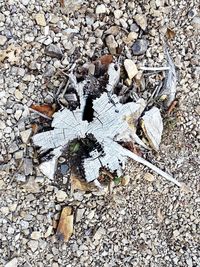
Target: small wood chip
{"points": [[65, 225]]}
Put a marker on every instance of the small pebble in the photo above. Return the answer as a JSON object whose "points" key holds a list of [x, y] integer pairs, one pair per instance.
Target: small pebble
{"points": [[139, 47]]}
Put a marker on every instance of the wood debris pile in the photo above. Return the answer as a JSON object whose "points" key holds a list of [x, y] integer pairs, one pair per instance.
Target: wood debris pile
{"points": [[99, 116]]}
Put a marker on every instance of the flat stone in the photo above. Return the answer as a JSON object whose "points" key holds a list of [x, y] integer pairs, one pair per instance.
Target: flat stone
{"points": [[25, 135], [12, 263], [61, 195], [125, 180], [18, 94], [112, 44], [141, 21], [49, 71], [99, 233], [36, 235], [54, 19], [49, 231], [196, 23], [4, 210], [21, 178], [118, 13], [3, 40], [130, 68], [19, 154], [149, 177], [18, 114], [91, 214], [2, 17], [40, 19], [134, 28], [100, 9], [79, 214], [2, 125], [54, 51], [176, 233], [139, 47], [33, 245]]}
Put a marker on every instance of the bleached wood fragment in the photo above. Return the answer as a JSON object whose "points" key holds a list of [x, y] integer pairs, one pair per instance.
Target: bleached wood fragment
{"points": [[152, 126], [114, 76], [155, 68], [48, 168]]}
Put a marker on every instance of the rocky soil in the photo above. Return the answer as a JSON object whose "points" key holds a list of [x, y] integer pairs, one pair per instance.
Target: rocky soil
{"points": [[150, 222]]}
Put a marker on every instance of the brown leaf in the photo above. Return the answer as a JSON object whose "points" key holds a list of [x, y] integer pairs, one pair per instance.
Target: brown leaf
{"points": [[170, 34], [172, 107], [106, 59], [35, 128], [65, 225], [133, 148], [62, 3], [78, 184], [45, 109]]}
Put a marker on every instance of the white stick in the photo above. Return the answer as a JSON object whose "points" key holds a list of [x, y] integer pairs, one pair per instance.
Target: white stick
{"points": [[150, 165], [154, 68]]}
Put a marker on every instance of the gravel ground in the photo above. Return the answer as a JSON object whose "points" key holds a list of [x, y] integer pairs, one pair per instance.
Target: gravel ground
{"points": [[150, 222]]}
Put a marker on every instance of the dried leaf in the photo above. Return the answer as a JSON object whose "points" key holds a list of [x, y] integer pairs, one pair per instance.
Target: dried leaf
{"points": [[78, 184], [62, 3], [106, 59], [172, 107], [170, 34], [117, 180], [65, 225], [35, 128], [125, 180], [46, 109], [133, 148]]}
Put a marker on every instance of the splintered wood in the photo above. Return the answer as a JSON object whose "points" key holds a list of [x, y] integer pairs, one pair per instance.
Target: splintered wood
{"points": [[65, 225], [112, 125]]}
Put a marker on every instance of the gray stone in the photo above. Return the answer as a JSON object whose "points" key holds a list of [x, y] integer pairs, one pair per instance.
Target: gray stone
{"points": [[111, 43], [21, 178], [49, 71], [28, 166], [79, 214], [54, 51], [139, 47], [196, 23], [134, 28]]}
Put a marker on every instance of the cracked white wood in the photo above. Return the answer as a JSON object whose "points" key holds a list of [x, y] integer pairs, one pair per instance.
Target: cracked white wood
{"points": [[111, 119]]}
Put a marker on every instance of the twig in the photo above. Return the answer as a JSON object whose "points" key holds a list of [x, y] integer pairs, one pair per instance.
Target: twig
{"points": [[41, 114], [154, 68], [150, 165]]}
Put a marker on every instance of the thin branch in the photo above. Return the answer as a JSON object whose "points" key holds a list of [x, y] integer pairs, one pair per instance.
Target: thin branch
{"points": [[41, 114], [154, 68]]}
